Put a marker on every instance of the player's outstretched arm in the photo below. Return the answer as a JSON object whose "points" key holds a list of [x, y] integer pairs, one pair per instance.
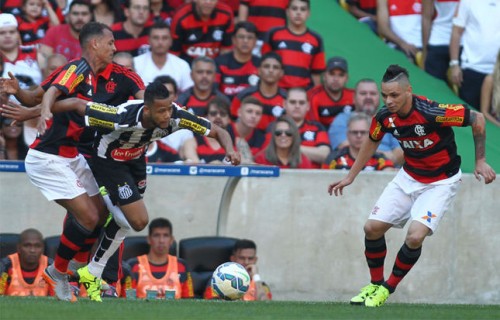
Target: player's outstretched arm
{"points": [[18, 112], [227, 143], [367, 150], [479, 134]]}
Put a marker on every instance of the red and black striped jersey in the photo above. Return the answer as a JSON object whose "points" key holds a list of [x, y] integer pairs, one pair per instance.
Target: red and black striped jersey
{"points": [[273, 106], [342, 159], [302, 55], [256, 140], [206, 153], [266, 14], [324, 109], [194, 37], [233, 76], [15, 7], [32, 32], [114, 85], [195, 105], [426, 136], [124, 41]]}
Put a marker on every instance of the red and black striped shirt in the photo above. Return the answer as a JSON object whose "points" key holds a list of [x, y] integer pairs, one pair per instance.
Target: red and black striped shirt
{"points": [[273, 106], [15, 7], [32, 32], [255, 140], [194, 37], [124, 41], [233, 76], [196, 105], [266, 14], [342, 159], [426, 136], [302, 55], [324, 109]]}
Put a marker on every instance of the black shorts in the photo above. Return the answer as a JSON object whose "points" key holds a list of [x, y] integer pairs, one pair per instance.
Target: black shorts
{"points": [[125, 181]]}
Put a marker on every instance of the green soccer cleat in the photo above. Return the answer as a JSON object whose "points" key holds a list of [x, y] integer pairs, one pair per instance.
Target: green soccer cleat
{"points": [[378, 298], [364, 293], [91, 283]]}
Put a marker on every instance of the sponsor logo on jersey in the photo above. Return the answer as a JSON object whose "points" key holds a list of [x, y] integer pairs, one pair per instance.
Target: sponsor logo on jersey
{"points": [[449, 119], [202, 51], [429, 216], [453, 107], [416, 144], [67, 75], [217, 35], [193, 126], [110, 87], [307, 47], [142, 184], [376, 131], [102, 108], [98, 123], [309, 135], [125, 192], [121, 154], [277, 111], [76, 82], [420, 130]]}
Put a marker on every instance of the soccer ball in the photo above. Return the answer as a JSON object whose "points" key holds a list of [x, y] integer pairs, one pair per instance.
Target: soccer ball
{"points": [[230, 280]]}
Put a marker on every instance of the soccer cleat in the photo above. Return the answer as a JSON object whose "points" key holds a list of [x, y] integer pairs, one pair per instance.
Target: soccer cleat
{"points": [[59, 284], [73, 266], [378, 298], [364, 293], [91, 283]]}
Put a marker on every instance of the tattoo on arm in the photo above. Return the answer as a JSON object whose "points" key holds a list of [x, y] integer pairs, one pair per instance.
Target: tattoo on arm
{"points": [[479, 133]]}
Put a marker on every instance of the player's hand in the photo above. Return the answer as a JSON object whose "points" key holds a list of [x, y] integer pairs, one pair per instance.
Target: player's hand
{"points": [[337, 187], [252, 269], [456, 75], [16, 112], [10, 86], [484, 169], [233, 158], [45, 116]]}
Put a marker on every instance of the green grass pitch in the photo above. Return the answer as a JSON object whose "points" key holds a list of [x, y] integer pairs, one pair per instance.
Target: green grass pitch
{"points": [[49, 308]]}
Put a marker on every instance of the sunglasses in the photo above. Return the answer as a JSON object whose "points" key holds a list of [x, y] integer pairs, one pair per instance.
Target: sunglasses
{"points": [[358, 132], [214, 113], [278, 133]]}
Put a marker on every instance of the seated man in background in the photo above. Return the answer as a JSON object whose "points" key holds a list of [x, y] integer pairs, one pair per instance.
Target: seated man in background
{"points": [[21, 272], [159, 270], [245, 253], [357, 133]]}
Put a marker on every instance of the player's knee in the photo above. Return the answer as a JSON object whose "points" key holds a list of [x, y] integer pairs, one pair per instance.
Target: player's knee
{"points": [[139, 224], [414, 240]]}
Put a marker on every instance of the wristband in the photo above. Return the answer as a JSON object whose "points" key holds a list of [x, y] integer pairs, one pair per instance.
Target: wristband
{"points": [[454, 62], [256, 278]]}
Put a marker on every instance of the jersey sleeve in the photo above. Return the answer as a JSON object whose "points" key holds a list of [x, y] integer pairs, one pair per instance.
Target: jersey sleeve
{"points": [[452, 115], [71, 76], [376, 133], [103, 117], [186, 120]]}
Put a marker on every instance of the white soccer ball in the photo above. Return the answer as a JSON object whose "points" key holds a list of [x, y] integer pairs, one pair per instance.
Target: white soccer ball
{"points": [[230, 280]]}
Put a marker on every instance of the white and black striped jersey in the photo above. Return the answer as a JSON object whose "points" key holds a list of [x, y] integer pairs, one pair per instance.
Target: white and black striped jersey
{"points": [[120, 134]]}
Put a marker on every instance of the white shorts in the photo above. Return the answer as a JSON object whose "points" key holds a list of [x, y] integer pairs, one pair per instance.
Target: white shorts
{"points": [[59, 177], [404, 197]]}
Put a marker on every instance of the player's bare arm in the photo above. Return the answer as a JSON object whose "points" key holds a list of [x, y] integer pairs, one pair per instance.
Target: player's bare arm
{"points": [[48, 100], [28, 97], [226, 142], [18, 112], [479, 134], [367, 150]]}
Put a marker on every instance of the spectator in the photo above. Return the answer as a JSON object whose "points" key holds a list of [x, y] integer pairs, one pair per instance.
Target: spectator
{"points": [[158, 61], [15, 7], [264, 14], [63, 38], [164, 10], [124, 59], [33, 23], [437, 16], [249, 139], [19, 60], [237, 70], [108, 12], [266, 91], [365, 11], [314, 137], [158, 270], [202, 28], [400, 23], [284, 148], [332, 97], [366, 100], [490, 94], [204, 149], [15, 147], [357, 134], [21, 272], [245, 253], [203, 90], [300, 48], [473, 24], [131, 35]]}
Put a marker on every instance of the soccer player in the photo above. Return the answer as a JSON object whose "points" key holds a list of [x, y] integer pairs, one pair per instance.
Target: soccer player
{"points": [[119, 165], [424, 188]]}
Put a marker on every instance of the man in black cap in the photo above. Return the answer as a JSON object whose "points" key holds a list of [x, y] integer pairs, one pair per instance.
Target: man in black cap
{"points": [[332, 97]]}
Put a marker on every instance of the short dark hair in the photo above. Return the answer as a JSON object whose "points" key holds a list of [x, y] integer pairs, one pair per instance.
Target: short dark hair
{"points": [[247, 26], [30, 231], [155, 90], [251, 100], [395, 72], [220, 102], [81, 3], [308, 2], [159, 25], [243, 244], [160, 223], [91, 30], [165, 79], [271, 55]]}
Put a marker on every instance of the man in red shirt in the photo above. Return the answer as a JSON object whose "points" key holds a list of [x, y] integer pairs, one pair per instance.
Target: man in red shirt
{"points": [[423, 189]]}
